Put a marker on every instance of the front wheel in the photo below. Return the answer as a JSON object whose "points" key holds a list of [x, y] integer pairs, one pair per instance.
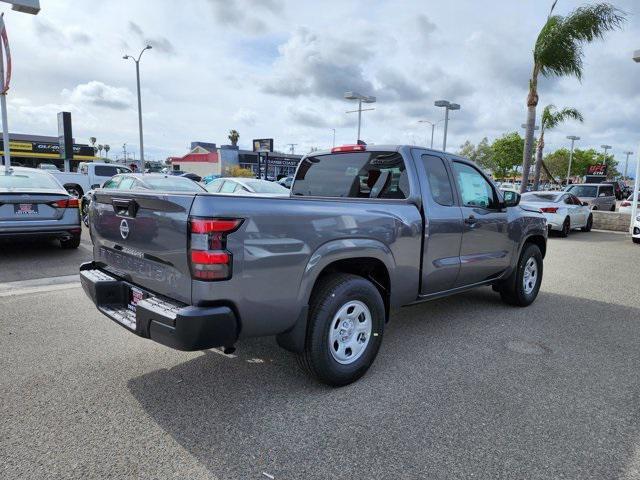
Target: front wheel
{"points": [[523, 285], [589, 225], [346, 323], [636, 240], [566, 228]]}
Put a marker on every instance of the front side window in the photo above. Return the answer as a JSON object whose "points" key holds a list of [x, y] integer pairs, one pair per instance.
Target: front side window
{"points": [[474, 189], [214, 187], [353, 175], [112, 182], [126, 183], [228, 187], [438, 178], [608, 191]]}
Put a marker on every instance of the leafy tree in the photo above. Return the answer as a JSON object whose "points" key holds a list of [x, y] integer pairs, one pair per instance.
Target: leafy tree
{"points": [[551, 118], [482, 153], [233, 137], [558, 51], [507, 152], [557, 162]]}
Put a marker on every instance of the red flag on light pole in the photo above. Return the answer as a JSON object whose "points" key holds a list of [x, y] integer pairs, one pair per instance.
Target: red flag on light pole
{"points": [[5, 57]]}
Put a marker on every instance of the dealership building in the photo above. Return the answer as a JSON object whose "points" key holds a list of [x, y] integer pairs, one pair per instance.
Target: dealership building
{"points": [[207, 159], [32, 150]]}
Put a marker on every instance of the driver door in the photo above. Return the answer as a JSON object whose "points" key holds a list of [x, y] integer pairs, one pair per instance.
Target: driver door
{"points": [[486, 248]]}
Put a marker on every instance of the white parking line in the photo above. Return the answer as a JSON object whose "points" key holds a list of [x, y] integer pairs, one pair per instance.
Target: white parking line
{"points": [[24, 287]]}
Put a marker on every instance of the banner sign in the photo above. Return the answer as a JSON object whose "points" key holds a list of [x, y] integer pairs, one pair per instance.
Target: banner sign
{"points": [[263, 145], [17, 148], [598, 169]]}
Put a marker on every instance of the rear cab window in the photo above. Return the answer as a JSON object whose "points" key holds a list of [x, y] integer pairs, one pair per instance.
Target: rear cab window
{"points": [[105, 171], [353, 175]]}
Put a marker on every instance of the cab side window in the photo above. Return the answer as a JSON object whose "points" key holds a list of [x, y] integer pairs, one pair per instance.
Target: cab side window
{"points": [[474, 189], [439, 183]]}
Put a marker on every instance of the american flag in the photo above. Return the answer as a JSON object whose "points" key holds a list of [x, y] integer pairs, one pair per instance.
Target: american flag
{"points": [[6, 53]]}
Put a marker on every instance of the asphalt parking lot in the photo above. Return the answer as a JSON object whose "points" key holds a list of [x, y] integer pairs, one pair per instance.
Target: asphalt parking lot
{"points": [[463, 387]]}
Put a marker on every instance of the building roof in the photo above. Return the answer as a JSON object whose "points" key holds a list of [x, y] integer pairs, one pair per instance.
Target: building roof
{"points": [[211, 157]]}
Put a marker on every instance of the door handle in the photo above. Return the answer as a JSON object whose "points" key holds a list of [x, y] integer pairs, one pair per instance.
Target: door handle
{"points": [[471, 220]]}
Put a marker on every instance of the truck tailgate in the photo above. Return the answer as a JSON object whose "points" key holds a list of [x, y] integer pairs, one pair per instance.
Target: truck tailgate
{"points": [[143, 238]]}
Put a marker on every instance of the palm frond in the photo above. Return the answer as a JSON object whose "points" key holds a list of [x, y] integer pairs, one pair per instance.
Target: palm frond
{"points": [[551, 118], [559, 46]]}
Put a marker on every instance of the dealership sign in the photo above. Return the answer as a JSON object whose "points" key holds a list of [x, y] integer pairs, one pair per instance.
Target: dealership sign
{"points": [[263, 145], [23, 148]]}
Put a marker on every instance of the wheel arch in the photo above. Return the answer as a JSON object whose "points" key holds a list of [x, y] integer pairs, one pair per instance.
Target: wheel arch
{"points": [[76, 186]]}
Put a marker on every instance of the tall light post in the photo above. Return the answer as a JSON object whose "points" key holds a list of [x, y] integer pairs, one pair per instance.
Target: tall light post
{"points": [[636, 183], [626, 165], [447, 106], [137, 61], [361, 99], [605, 148], [573, 139], [433, 127]]}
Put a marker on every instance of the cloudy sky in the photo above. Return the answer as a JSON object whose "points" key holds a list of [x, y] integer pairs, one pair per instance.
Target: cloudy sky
{"points": [[279, 68]]}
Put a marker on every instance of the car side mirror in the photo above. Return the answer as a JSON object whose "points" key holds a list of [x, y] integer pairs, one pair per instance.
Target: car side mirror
{"points": [[511, 199], [94, 186]]}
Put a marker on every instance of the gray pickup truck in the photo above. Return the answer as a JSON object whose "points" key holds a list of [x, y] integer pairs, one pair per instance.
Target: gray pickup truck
{"points": [[367, 229]]}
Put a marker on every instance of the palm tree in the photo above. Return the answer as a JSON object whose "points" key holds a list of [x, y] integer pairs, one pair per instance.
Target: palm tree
{"points": [[234, 136], [550, 120], [106, 150], [93, 140], [559, 51], [100, 147]]}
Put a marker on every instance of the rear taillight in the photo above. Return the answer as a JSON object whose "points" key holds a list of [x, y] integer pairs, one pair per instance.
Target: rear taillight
{"points": [[549, 209], [625, 204], [65, 203], [209, 258]]}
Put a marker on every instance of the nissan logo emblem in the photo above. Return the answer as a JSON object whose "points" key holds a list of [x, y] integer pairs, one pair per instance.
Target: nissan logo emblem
{"points": [[124, 229]]}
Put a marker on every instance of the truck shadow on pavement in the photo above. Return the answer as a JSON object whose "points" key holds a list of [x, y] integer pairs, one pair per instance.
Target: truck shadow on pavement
{"points": [[462, 386]]}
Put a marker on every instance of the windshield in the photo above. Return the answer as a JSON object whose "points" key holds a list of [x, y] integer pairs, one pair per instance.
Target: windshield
{"points": [[265, 187], [540, 197], [32, 180], [583, 190], [172, 184]]}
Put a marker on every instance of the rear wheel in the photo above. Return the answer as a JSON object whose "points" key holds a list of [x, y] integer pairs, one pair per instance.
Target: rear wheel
{"points": [[566, 228], [613, 208], [589, 225], [523, 285], [74, 190], [636, 240], [73, 242], [84, 212], [346, 323]]}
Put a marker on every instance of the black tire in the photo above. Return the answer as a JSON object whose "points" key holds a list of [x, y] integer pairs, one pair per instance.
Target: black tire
{"points": [[635, 240], [74, 190], [512, 290], [589, 225], [330, 295], [613, 208], [566, 228], [73, 242], [84, 212]]}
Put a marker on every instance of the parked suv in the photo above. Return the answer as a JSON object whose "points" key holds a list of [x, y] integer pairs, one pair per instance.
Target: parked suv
{"points": [[598, 196]]}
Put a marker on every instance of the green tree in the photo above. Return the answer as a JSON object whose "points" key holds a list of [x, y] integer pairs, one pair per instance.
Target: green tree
{"points": [[506, 153], [233, 137], [558, 162], [558, 51], [482, 153], [551, 118]]}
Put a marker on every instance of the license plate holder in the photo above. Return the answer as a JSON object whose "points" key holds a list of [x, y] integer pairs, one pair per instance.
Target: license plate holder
{"points": [[25, 209]]}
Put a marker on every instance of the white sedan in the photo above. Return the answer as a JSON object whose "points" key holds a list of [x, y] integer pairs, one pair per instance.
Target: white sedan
{"points": [[564, 211], [625, 206], [247, 186], [635, 236]]}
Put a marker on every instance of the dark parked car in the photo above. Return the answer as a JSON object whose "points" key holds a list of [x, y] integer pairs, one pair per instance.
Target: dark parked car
{"points": [[367, 229], [34, 204], [137, 181]]}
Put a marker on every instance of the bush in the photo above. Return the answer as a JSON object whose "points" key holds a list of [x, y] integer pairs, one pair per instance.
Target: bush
{"points": [[237, 171]]}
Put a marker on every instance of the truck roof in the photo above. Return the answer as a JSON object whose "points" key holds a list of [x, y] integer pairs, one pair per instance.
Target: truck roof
{"points": [[377, 148]]}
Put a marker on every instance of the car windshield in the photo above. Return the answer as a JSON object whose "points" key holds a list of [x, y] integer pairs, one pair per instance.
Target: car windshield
{"points": [[265, 187], [24, 179], [172, 184], [538, 197], [583, 190]]}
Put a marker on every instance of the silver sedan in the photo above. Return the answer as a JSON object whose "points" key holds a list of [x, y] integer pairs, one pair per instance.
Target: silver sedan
{"points": [[34, 204], [564, 211]]}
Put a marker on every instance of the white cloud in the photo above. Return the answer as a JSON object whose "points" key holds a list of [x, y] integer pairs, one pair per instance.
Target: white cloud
{"points": [[245, 117], [101, 95]]}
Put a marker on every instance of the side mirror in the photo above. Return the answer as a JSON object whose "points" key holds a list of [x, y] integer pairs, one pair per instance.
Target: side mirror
{"points": [[511, 199], [95, 185]]}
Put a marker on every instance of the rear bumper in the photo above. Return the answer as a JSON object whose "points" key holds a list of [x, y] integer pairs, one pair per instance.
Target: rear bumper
{"points": [[56, 232], [170, 323]]}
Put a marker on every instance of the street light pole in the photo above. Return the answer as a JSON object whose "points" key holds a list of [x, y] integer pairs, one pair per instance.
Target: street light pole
{"points": [[433, 126], [626, 165], [361, 99], [636, 183], [447, 106], [605, 148], [137, 61], [573, 138]]}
